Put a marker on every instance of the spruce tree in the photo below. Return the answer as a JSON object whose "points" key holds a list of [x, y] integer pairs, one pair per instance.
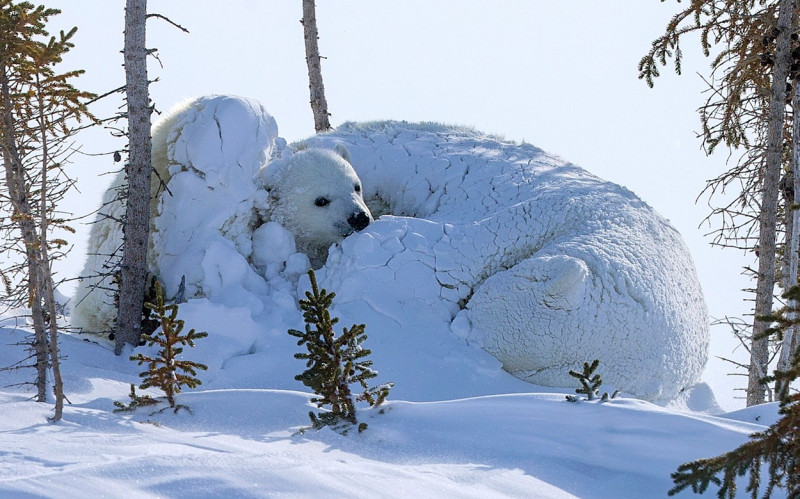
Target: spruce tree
{"points": [[334, 363], [778, 447], [167, 371], [590, 383], [752, 43], [38, 109]]}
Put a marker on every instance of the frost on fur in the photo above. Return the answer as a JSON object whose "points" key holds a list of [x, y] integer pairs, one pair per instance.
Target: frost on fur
{"points": [[526, 255]]}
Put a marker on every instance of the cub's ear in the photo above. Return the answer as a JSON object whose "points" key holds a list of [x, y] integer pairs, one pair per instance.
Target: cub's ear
{"points": [[342, 151]]}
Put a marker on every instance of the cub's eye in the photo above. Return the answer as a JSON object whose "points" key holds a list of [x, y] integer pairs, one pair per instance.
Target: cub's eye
{"points": [[358, 187], [321, 201]]}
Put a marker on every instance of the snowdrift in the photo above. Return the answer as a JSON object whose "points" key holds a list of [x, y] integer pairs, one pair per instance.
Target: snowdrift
{"points": [[239, 440]]}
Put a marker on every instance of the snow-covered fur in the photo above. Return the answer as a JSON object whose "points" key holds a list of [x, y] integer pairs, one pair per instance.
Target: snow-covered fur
{"points": [[92, 306], [497, 244], [210, 152], [540, 263]]}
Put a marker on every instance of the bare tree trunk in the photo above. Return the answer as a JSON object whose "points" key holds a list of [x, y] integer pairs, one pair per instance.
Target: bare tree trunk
{"points": [[18, 194], [28, 229], [58, 382], [793, 233], [45, 284], [319, 106], [139, 168], [759, 351], [792, 243]]}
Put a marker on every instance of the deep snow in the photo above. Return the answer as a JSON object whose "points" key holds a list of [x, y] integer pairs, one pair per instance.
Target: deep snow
{"points": [[512, 249], [240, 441]]}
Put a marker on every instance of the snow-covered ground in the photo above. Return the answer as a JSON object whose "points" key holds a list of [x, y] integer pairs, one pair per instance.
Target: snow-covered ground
{"points": [[240, 439]]}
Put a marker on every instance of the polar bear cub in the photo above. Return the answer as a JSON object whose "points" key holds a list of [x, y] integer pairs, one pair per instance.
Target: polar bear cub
{"points": [[318, 197], [226, 173]]}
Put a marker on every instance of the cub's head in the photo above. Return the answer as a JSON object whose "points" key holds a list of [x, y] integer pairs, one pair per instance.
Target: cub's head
{"points": [[317, 196]]}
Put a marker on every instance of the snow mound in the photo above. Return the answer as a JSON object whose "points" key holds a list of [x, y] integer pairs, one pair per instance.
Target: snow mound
{"points": [[240, 441], [215, 148]]}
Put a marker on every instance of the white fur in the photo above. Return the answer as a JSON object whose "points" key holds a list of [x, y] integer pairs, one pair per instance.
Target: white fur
{"points": [[92, 306], [296, 185], [213, 153], [542, 264]]}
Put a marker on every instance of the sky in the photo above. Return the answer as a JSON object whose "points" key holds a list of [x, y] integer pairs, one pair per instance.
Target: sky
{"points": [[559, 75]]}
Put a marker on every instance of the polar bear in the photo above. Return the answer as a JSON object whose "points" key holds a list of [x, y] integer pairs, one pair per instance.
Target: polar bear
{"points": [[215, 182], [538, 262], [318, 195]]}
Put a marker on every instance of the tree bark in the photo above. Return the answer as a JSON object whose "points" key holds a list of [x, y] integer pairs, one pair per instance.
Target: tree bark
{"points": [[792, 231], [319, 105], [133, 270], [45, 285], [22, 216], [759, 351]]}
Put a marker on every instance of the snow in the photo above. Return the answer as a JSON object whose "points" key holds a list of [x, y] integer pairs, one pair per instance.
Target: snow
{"points": [[456, 424], [202, 223], [546, 264], [240, 441], [215, 147]]}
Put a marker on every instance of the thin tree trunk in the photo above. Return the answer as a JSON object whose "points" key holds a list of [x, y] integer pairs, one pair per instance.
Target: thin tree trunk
{"points": [[793, 232], [45, 273], [15, 180], [58, 382], [137, 214], [759, 351], [28, 230], [319, 105], [791, 343]]}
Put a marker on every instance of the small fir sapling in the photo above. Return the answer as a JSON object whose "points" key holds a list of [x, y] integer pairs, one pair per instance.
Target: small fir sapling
{"points": [[136, 401], [590, 382], [167, 371], [334, 363]]}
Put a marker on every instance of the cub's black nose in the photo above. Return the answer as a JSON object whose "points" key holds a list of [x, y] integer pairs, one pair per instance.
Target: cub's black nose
{"points": [[358, 220]]}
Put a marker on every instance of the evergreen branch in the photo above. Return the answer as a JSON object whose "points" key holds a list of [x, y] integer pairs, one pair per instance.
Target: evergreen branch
{"points": [[136, 402], [778, 446], [590, 383], [167, 371], [334, 363]]}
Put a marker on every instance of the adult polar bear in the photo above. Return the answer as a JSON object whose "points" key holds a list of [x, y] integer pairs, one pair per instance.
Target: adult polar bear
{"points": [[540, 263], [212, 154]]}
